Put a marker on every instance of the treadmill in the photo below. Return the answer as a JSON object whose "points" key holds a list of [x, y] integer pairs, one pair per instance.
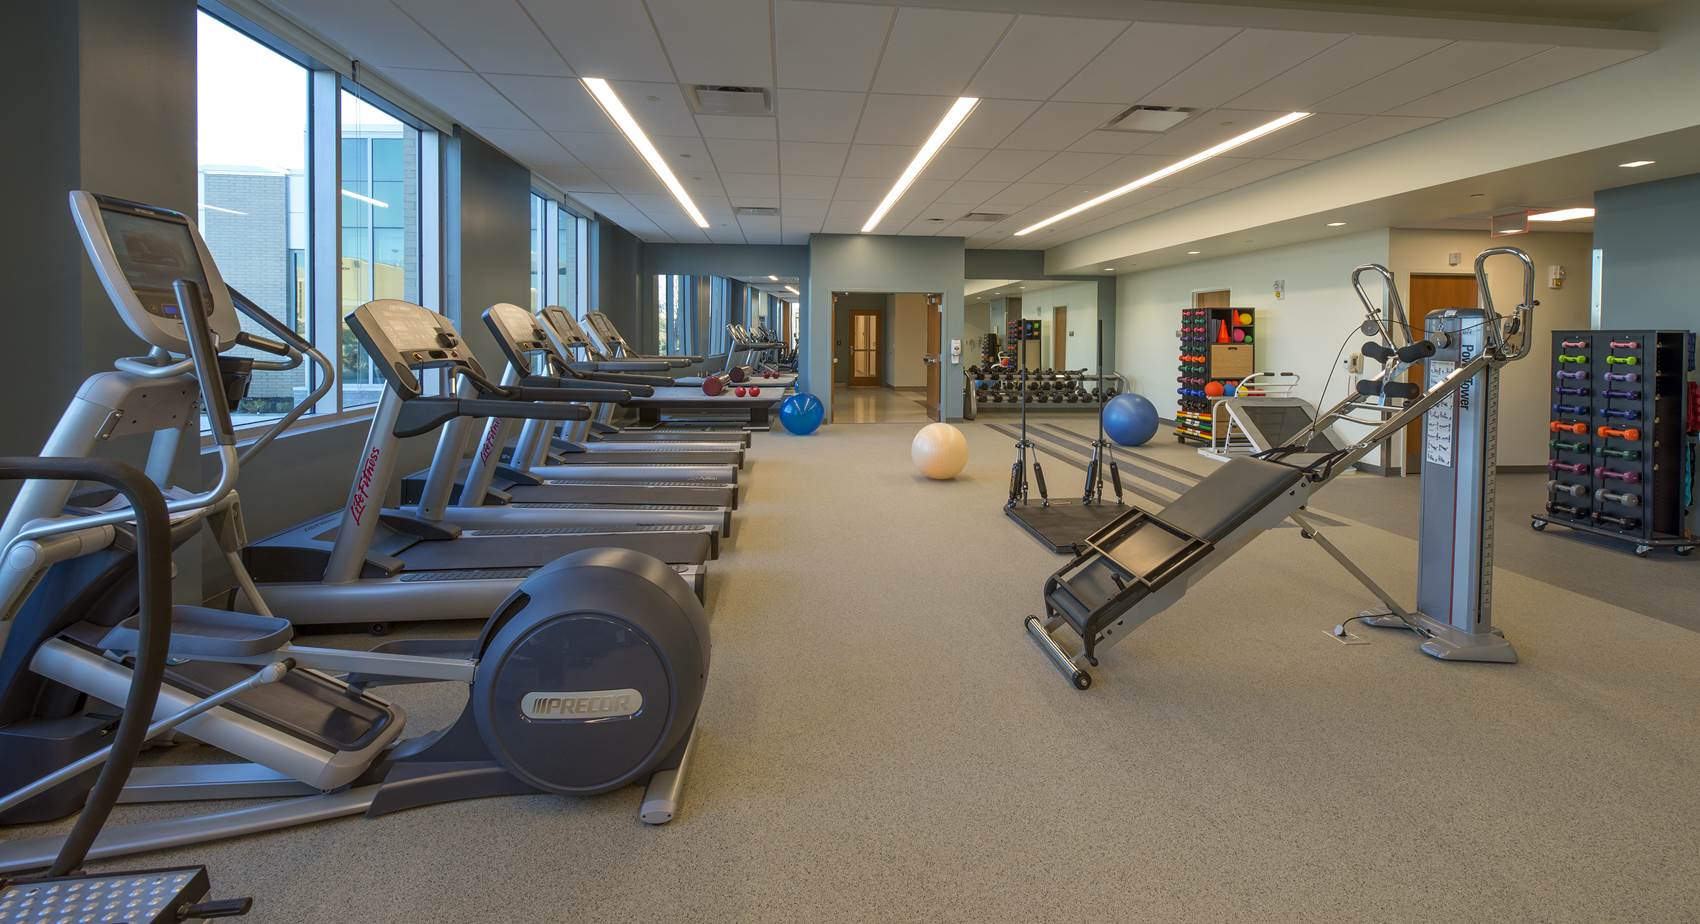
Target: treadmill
{"points": [[684, 406], [362, 564]]}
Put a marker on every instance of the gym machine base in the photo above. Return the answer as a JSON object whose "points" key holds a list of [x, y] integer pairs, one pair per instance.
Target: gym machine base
{"points": [[1062, 524], [1145, 561]]}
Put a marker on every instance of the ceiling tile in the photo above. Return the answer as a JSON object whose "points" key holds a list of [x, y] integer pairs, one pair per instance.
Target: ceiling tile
{"points": [[1217, 125], [1007, 165], [812, 158], [1055, 125], [735, 234], [558, 103], [612, 39], [937, 51], [828, 46], [1040, 54], [632, 181], [760, 229], [725, 42], [373, 33], [1249, 172], [1335, 70], [1357, 135], [1068, 167], [1241, 63], [703, 185], [755, 127], [465, 96], [600, 149], [992, 121], [953, 163], [862, 188], [818, 115], [659, 107], [533, 148], [1111, 142], [1142, 59], [683, 153], [1437, 70], [893, 119], [883, 161], [847, 216], [1314, 127], [1526, 76], [741, 186], [745, 156], [1126, 169], [972, 192], [494, 36], [1021, 195], [803, 209], [807, 187], [577, 180]]}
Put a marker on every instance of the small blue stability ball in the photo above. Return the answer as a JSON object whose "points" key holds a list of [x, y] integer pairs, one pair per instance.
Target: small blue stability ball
{"points": [[801, 413], [1130, 420]]}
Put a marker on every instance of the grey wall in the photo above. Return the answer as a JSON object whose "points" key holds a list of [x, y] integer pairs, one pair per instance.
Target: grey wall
{"points": [[488, 239], [1650, 249], [616, 258], [870, 263]]}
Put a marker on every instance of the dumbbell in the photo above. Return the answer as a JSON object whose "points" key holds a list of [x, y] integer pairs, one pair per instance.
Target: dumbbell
{"points": [[1580, 359], [1569, 511], [1569, 409], [1574, 490], [1560, 426], [1621, 413], [1623, 376], [1631, 434], [1624, 360], [1628, 455], [1566, 446], [1626, 344], [1612, 474], [1579, 374], [1573, 343], [1574, 468], [1626, 394], [1619, 522], [1616, 497], [1571, 390]]}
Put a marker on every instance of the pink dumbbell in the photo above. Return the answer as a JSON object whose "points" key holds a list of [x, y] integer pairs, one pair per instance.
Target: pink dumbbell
{"points": [[1615, 475], [1574, 468]]}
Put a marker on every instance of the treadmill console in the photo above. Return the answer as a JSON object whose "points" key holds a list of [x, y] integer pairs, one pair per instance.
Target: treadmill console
{"points": [[403, 338], [517, 333]]}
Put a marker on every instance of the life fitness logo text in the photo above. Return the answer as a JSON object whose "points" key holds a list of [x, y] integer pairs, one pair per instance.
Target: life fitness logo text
{"points": [[490, 441], [363, 486]]}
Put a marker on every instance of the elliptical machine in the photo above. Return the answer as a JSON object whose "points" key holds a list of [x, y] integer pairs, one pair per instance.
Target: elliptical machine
{"points": [[586, 679]]}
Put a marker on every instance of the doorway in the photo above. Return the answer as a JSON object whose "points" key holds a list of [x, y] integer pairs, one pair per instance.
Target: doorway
{"points": [[886, 345], [1431, 292], [864, 347], [1059, 337], [935, 365]]}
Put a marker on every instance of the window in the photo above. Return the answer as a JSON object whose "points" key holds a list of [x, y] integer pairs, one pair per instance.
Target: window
{"points": [[379, 196], [675, 302], [569, 241], [251, 183], [538, 296]]}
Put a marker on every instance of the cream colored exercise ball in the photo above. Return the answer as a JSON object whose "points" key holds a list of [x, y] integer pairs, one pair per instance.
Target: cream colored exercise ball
{"points": [[940, 451]]}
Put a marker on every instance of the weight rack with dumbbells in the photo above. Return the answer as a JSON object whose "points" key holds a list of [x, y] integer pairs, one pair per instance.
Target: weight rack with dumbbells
{"points": [[1217, 350], [1620, 448]]}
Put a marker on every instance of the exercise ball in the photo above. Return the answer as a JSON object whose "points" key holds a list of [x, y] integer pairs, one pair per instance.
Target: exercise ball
{"points": [[1130, 420], [1213, 390], [801, 414], [940, 451], [1230, 389]]}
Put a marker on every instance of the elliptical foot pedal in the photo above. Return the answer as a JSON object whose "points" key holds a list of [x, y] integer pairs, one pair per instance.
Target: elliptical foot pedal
{"points": [[155, 896]]}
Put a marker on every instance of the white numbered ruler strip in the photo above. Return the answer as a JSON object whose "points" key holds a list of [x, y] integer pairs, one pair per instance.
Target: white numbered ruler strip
{"points": [[1439, 423]]}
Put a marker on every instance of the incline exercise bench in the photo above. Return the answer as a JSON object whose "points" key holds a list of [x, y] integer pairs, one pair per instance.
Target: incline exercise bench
{"points": [[1141, 563]]}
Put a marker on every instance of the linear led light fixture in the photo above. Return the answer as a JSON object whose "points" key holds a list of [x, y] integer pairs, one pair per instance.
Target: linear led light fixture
{"points": [[792, 290], [947, 126], [1562, 215], [1172, 169], [622, 119], [366, 199]]}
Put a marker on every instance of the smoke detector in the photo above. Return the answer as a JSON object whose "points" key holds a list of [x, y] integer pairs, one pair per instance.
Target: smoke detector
{"points": [[732, 101], [1149, 119]]}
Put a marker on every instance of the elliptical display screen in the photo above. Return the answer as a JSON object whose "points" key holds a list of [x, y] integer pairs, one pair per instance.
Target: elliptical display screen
{"points": [[154, 253]]}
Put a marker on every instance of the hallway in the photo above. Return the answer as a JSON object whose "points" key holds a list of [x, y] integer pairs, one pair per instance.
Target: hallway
{"points": [[878, 404]]}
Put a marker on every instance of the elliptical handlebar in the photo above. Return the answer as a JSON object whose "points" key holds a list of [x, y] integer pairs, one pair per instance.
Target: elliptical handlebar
{"points": [[1522, 320]]}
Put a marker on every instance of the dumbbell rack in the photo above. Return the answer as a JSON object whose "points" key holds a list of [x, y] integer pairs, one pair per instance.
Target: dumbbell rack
{"points": [[1215, 347], [1620, 459]]}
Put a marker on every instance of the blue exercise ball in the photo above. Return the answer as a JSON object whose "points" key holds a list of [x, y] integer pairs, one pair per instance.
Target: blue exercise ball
{"points": [[1130, 420], [801, 414]]}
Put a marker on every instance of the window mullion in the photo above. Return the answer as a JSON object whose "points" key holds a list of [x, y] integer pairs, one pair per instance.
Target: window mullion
{"points": [[324, 178]]}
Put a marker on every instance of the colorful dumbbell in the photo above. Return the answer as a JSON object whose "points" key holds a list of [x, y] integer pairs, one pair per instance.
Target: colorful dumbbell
{"points": [[1621, 413], [1629, 433], [1567, 446], [1622, 360], [1619, 497], [1580, 359], [1564, 426], [1577, 344], [1569, 409], [1626, 344], [1628, 455], [1626, 394], [1619, 522], [1578, 374], [1623, 376], [1574, 468], [1612, 474], [1570, 390], [1560, 487]]}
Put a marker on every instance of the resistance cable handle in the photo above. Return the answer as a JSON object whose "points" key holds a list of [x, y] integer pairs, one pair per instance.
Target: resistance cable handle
{"points": [[153, 553], [1523, 320], [1395, 319]]}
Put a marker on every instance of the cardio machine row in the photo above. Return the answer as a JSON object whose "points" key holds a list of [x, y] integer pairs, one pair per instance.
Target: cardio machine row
{"points": [[588, 587]]}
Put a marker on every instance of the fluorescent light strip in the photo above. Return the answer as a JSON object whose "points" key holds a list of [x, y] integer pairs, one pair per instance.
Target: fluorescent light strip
{"points": [[366, 199], [1562, 215], [947, 126], [217, 208], [1171, 170], [792, 290], [1638, 163], [616, 110]]}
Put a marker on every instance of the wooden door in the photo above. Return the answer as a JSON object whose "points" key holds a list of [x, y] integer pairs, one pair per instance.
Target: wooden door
{"points": [[1059, 338], [864, 347], [935, 361], [1219, 298], [1430, 292]]}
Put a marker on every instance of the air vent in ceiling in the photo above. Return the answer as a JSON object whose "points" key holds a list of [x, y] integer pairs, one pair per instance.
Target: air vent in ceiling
{"points": [[734, 101], [1148, 119], [984, 216], [756, 211]]}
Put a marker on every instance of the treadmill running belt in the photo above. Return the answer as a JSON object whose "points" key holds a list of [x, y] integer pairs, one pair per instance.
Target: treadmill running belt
{"points": [[532, 550]]}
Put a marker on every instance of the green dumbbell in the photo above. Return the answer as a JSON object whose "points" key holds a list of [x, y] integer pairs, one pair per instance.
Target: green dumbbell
{"points": [[1629, 454], [1619, 360], [1578, 358], [1568, 446]]}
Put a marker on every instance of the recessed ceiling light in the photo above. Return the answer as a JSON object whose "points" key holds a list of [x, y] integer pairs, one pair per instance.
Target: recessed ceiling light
{"points": [[628, 126], [953, 119], [1562, 215], [1172, 169], [1109, 269], [792, 290], [1192, 253], [1336, 224], [1638, 163]]}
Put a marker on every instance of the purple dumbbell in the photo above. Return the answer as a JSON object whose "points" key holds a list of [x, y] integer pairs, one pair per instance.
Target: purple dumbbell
{"points": [[1579, 375], [1571, 390], [1622, 413], [1621, 376], [1616, 393], [1569, 409], [1574, 468], [1612, 474]]}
